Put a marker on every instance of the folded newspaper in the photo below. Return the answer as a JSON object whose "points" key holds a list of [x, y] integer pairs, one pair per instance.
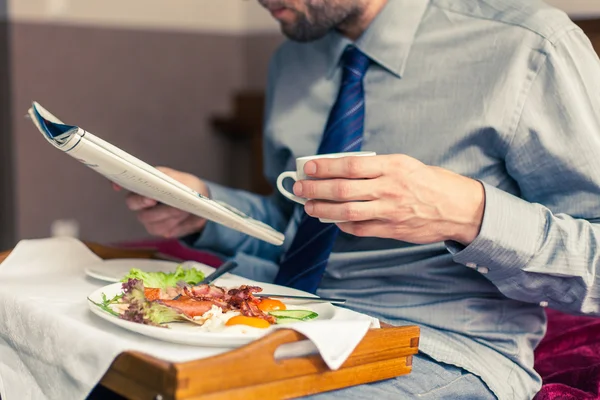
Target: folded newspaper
{"points": [[139, 177]]}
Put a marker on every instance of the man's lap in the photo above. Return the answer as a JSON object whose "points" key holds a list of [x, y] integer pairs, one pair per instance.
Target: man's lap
{"points": [[428, 380]]}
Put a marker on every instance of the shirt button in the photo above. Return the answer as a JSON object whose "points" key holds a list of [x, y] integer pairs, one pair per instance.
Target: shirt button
{"points": [[471, 265], [544, 303], [483, 270]]}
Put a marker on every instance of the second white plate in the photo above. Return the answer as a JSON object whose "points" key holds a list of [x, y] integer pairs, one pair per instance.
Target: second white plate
{"points": [[114, 270]]}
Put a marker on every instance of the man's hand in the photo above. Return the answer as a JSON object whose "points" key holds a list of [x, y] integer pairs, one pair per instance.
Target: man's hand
{"points": [[163, 220], [394, 196]]}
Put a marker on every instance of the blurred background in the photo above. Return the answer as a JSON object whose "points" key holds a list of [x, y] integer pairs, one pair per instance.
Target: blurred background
{"points": [[174, 82]]}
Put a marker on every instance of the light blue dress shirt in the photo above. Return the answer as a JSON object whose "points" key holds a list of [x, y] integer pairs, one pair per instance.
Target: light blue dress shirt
{"points": [[503, 91]]}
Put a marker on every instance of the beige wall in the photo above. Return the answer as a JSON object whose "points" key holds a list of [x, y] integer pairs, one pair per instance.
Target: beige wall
{"points": [[578, 8], [147, 79], [215, 16], [223, 16]]}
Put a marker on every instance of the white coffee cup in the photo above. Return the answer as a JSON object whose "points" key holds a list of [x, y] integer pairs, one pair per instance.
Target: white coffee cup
{"points": [[299, 175]]}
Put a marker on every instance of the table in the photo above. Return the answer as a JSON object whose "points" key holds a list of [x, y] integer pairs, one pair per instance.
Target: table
{"points": [[251, 371]]}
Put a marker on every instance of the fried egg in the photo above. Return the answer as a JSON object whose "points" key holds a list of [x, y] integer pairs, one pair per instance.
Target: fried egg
{"points": [[215, 320]]}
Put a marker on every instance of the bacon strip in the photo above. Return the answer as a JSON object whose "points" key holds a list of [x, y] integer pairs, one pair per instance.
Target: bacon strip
{"points": [[220, 298], [250, 309], [196, 300], [206, 291]]}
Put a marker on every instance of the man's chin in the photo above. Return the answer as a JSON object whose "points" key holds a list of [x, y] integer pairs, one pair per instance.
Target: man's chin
{"points": [[300, 35]]}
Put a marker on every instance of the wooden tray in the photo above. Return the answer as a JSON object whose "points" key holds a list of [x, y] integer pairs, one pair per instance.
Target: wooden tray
{"points": [[252, 371]]}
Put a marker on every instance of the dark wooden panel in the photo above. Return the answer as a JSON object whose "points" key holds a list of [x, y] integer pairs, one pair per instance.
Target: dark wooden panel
{"points": [[244, 125], [7, 220], [592, 28]]}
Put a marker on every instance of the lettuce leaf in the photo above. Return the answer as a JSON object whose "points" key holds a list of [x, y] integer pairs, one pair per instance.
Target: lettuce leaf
{"points": [[146, 312], [106, 303], [163, 280]]}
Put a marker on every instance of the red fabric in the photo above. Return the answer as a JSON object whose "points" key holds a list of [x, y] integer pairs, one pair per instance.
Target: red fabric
{"points": [[172, 248], [568, 358]]}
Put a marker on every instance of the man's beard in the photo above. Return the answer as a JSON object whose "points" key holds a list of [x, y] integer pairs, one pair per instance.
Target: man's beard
{"points": [[319, 19]]}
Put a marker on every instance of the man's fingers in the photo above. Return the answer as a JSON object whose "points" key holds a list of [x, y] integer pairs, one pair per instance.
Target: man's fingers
{"points": [[180, 225], [189, 225], [160, 213], [350, 211], [162, 228], [162, 224], [346, 167], [116, 187], [135, 202], [340, 190]]}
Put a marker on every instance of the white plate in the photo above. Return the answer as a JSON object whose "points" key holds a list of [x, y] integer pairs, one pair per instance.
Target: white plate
{"points": [[187, 333], [114, 270]]}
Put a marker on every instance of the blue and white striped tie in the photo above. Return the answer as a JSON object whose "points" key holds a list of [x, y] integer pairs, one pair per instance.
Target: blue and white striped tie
{"points": [[303, 264]]}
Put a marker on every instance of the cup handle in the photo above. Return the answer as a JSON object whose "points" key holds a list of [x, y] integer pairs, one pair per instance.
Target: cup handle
{"points": [[283, 191]]}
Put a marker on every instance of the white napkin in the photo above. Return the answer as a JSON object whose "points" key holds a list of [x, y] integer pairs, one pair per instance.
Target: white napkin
{"points": [[335, 339], [53, 347]]}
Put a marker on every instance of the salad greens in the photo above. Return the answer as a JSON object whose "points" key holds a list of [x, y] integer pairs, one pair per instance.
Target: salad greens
{"points": [[164, 280], [105, 305], [132, 304], [146, 312]]}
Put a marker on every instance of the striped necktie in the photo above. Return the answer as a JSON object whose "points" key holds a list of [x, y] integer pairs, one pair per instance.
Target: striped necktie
{"points": [[303, 264]]}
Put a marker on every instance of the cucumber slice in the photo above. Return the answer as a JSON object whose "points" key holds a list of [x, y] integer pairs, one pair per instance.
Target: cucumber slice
{"points": [[285, 321], [301, 315]]}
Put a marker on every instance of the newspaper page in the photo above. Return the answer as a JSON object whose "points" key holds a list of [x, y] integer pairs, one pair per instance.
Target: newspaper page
{"points": [[140, 177]]}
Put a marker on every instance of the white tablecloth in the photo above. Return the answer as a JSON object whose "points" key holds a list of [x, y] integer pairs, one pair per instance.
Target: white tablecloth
{"points": [[53, 347]]}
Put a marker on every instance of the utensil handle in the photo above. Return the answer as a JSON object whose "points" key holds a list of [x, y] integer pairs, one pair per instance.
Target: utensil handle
{"points": [[317, 299], [333, 300], [223, 269]]}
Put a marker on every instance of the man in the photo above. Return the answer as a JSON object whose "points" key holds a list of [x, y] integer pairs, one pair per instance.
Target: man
{"points": [[481, 207]]}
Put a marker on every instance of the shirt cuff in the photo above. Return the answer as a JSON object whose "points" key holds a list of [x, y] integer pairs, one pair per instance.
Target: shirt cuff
{"points": [[509, 236]]}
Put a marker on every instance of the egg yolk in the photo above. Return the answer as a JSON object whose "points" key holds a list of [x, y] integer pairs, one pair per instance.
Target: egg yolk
{"points": [[267, 305], [250, 321]]}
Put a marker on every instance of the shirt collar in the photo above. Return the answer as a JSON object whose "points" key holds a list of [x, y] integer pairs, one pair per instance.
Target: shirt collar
{"points": [[389, 38]]}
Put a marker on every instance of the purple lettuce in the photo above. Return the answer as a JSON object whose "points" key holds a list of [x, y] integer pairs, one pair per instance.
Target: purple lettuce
{"points": [[145, 312]]}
